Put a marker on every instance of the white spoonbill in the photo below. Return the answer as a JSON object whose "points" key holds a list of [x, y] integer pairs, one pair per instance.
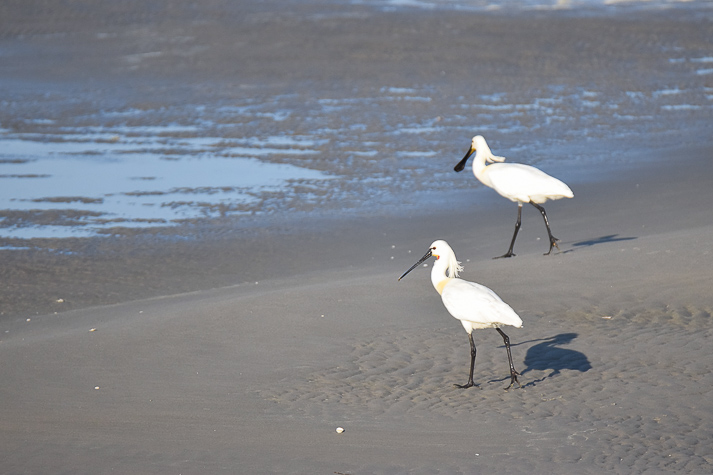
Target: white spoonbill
{"points": [[475, 305], [516, 182]]}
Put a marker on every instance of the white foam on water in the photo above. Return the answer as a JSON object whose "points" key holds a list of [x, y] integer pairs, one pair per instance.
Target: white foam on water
{"points": [[508, 5]]}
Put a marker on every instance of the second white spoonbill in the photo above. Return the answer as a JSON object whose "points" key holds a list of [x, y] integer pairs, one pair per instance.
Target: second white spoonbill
{"points": [[475, 305], [516, 182]]}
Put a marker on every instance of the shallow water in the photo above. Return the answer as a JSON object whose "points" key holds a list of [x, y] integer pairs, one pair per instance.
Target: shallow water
{"points": [[100, 177], [132, 177]]}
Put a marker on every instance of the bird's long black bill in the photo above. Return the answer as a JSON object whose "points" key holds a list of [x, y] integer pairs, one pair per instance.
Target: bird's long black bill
{"points": [[461, 164], [428, 254]]}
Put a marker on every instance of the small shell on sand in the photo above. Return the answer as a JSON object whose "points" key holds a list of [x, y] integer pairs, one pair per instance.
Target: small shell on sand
{"points": [[340, 430]]}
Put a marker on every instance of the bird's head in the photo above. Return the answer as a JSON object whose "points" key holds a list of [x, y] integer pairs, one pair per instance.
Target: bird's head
{"points": [[440, 249], [481, 146]]}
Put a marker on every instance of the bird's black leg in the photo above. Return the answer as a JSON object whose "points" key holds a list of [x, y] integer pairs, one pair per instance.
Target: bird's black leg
{"points": [[472, 364], [514, 236], [513, 373], [553, 240]]}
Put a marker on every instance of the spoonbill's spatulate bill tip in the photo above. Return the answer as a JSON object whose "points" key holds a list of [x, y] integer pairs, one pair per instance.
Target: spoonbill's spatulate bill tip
{"points": [[475, 305], [517, 182]]}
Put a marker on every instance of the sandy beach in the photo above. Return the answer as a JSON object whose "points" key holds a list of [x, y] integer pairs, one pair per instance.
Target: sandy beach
{"points": [[243, 351], [255, 378]]}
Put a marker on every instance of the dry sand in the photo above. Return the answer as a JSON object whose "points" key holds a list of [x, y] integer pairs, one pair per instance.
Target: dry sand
{"points": [[615, 351]]}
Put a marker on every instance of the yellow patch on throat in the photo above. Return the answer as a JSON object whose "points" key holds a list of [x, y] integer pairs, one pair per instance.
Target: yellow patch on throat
{"points": [[441, 285]]}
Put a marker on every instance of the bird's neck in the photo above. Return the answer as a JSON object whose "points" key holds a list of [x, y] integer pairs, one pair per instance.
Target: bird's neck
{"points": [[479, 166], [439, 279]]}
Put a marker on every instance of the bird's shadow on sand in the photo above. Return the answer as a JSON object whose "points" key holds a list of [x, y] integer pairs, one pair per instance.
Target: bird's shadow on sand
{"points": [[548, 356], [609, 238]]}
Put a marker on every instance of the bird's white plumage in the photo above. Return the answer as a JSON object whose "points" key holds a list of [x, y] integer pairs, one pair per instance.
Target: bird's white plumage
{"points": [[523, 183], [475, 305], [515, 181]]}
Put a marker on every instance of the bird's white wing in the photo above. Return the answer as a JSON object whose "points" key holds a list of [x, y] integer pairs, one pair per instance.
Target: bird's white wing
{"points": [[477, 304], [524, 183]]}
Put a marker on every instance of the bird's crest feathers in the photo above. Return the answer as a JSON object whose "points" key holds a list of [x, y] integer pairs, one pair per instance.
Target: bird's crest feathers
{"points": [[481, 146], [454, 266], [441, 250], [494, 158]]}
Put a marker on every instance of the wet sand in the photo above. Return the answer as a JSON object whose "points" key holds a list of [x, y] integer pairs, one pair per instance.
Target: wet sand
{"points": [[257, 342]]}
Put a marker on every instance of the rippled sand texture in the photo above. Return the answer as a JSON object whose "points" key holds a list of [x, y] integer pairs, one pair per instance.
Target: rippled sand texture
{"points": [[616, 395]]}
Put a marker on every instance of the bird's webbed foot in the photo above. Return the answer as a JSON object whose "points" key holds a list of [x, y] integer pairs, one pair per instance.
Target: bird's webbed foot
{"points": [[467, 385], [508, 254]]}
